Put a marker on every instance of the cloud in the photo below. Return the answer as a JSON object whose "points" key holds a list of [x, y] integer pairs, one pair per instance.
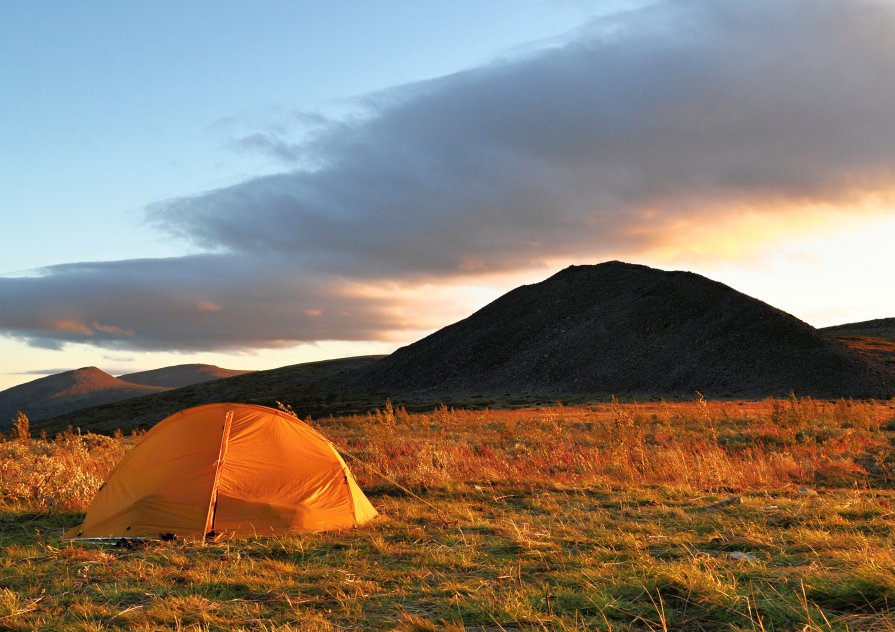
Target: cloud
{"points": [[270, 145], [214, 301], [41, 372], [612, 141], [283, 138], [616, 142]]}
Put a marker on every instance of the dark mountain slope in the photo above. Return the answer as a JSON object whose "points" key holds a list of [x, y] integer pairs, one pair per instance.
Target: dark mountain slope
{"points": [[626, 329], [296, 383], [180, 375], [873, 338], [58, 394], [879, 328]]}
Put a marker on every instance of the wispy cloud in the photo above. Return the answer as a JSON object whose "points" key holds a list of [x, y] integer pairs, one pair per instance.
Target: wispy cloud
{"points": [[284, 137], [41, 372], [616, 142]]}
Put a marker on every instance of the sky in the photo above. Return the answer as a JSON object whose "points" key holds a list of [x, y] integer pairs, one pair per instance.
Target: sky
{"points": [[255, 185]]}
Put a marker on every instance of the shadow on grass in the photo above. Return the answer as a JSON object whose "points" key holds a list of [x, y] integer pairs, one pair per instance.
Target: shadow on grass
{"points": [[26, 527]]}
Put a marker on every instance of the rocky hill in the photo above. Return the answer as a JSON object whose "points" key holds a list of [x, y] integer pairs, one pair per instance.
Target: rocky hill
{"points": [[180, 375], [618, 328], [58, 394], [873, 338], [879, 328], [298, 384]]}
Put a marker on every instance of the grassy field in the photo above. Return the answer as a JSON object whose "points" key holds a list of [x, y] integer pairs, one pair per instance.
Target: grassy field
{"points": [[775, 515]]}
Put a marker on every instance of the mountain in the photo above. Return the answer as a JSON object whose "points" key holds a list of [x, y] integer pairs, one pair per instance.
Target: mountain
{"points": [[180, 375], [618, 328], [64, 393], [585, 333], [873, 338], [879, 328], [58, 394], [292, 384]]}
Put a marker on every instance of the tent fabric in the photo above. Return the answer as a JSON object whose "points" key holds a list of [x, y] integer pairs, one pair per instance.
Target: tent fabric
{"points": [[234, 469]]}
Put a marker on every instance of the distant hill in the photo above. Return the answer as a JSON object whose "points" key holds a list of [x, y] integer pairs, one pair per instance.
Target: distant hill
{"points": [[58, 394], [879, 328], [296, 383], [180, 375], [873, 338], [66, 392], [624, 329]]}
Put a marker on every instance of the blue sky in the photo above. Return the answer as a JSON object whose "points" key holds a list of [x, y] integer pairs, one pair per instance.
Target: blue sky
{"points": [[118, 105], [368, 172]]}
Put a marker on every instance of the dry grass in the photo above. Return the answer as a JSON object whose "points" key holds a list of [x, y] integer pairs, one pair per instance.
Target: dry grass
{"points": [[57, 475], [775, 515], [703, 445]]}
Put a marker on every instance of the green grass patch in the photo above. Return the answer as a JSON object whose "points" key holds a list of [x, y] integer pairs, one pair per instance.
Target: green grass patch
{"points": [[541, 558]]}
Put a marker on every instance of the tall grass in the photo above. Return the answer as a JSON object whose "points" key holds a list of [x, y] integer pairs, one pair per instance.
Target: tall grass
{"points": [[59, 474], [703, 445], [710, 446]]}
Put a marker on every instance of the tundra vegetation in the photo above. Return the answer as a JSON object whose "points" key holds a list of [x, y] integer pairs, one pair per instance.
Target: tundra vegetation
{"points": [[734, 515]]}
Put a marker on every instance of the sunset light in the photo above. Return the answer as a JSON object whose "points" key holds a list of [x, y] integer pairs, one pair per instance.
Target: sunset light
{"points": [[447, 315]]}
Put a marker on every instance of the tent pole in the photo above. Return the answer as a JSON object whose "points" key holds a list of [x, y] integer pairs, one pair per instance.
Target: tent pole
{"points": [[212, 501]]}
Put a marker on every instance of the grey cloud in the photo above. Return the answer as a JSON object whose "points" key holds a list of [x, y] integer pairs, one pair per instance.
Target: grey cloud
{"points": [[189, 303], [288, 139], [271, 145], [683, 110], [41, 372], [668, 112]]}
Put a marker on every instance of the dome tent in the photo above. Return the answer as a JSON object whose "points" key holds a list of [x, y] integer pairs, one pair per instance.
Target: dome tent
{"points": [[232, 469]]}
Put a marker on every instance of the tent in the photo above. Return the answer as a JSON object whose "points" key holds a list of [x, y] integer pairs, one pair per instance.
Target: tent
{"points": [[233, 469]]}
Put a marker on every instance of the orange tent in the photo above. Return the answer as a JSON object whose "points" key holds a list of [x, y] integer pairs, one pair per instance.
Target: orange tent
{"points": [[227, 469]]}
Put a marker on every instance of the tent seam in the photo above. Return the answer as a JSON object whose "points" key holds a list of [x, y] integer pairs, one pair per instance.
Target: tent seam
{"points": [[212, 500]]}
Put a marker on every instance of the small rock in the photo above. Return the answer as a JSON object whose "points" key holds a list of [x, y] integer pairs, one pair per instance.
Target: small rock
{"points": [[806, 492]]}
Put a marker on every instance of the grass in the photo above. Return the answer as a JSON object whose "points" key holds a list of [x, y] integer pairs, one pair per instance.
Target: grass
{"points": [[775, 515]]}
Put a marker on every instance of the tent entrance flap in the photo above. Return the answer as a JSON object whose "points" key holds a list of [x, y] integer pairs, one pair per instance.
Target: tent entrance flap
{"points": [[222, 453]]}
